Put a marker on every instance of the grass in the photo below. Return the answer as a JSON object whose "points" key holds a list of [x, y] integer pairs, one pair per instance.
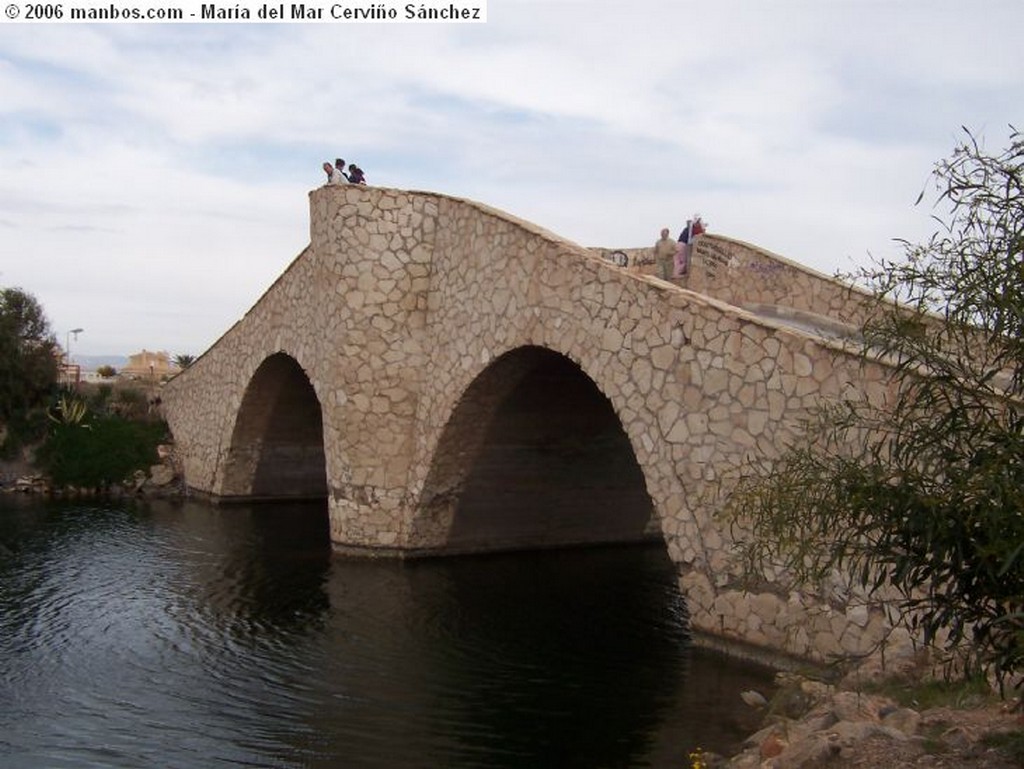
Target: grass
{"points": [[959, 694], [1011, 743], [921, 695]]}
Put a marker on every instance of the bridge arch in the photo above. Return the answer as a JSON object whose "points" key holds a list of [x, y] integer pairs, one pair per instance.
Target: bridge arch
{"points": [[277, 441], [533, 455], [411, 320]]}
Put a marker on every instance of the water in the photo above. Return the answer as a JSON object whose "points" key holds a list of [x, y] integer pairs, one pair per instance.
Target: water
{"points": [[185, 635]]}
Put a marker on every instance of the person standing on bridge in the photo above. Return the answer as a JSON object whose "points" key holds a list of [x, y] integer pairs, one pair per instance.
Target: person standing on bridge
{"points": [[694, 229], [334, 174], [664, 253], [355, 174], [342, 177]]}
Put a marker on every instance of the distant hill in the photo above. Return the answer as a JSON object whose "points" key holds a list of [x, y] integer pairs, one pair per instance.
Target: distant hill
{"points": [[93, 362]]}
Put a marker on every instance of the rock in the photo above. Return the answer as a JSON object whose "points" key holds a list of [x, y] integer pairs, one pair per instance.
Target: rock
{"points": [[753, 698], [161, 475], [713, 760], [792, 702], [771, 747], [904, 720], [819, 722], [138, 481], [815, 751], [853, 706], [849, 733], [958, 738], [745, 761], [30, 484], [755, 740]]}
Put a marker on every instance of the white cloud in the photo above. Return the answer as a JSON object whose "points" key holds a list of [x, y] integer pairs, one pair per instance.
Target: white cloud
{"points": [[153, 179]]}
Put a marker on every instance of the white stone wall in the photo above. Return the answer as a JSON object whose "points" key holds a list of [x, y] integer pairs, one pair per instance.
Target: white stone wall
{"points": [[403, 299]]}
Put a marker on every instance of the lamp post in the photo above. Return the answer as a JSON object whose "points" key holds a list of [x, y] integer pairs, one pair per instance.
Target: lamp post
{"points": [[67, 350]]}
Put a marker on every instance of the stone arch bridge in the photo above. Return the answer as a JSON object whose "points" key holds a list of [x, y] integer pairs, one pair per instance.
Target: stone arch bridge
{"points": [[452, 379]]}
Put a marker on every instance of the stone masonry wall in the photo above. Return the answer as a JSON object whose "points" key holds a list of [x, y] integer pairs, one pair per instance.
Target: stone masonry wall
{"points": [[404, 299]]}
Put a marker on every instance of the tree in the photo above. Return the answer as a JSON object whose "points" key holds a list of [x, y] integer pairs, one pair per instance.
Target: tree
{"points": [[183, 361], [106, 371], [926, 494], [28, 355]]}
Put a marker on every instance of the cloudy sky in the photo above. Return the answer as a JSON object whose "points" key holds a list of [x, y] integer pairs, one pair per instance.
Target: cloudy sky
{"points": [[154, 178]]}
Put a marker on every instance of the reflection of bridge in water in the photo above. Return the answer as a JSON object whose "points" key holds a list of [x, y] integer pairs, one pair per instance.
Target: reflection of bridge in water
{"points": [[453, 379]]}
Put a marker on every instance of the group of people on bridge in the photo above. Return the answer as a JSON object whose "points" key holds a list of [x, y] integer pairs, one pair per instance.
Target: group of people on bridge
{"points": [[336, 174], [673, 256]]}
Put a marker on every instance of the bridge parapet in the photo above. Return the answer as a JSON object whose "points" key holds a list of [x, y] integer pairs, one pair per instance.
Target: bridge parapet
{"points": [[750, 277]]}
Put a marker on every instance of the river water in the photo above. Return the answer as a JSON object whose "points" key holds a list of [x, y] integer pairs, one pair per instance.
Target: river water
{"points": [[169, 634]]}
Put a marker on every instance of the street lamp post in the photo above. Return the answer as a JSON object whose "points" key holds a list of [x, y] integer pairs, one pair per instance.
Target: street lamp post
{"points": [[67, 350]]}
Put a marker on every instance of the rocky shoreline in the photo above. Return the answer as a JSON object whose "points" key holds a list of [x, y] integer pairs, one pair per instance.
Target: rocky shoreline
{"points": [[811, 725]]}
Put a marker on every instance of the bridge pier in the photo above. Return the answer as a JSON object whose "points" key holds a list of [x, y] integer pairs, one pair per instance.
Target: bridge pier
{"points": [[374, 252]]}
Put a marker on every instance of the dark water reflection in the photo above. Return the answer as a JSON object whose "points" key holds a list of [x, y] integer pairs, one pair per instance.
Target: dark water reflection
{"points": [[192, 636]]}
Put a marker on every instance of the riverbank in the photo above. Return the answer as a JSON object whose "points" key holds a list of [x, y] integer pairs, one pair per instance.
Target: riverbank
{"points": [[162, 480], [908, 722]]}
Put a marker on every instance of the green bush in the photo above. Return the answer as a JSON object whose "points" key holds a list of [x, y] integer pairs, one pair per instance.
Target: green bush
{"points": [[130, 403], [105, 451], [921, 491], [99, 401]]}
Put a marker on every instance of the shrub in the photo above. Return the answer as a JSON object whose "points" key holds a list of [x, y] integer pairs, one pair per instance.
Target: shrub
{"points": [[105, 451], [130, 403], [923, 492]]}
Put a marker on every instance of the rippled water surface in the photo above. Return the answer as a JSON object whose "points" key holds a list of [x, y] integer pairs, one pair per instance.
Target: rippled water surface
{"points": [[184, 635]]}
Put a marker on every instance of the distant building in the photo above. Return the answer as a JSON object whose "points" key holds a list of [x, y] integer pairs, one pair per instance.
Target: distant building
{"points": [[149, 365], [93, 377], [68, 374]]}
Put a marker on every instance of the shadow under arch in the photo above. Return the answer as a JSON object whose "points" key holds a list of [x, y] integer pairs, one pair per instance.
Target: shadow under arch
{"points": [[533, 456], [277, 445]]}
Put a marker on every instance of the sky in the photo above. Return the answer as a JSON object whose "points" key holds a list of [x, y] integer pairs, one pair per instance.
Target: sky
{"points": [[154, 178]]}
